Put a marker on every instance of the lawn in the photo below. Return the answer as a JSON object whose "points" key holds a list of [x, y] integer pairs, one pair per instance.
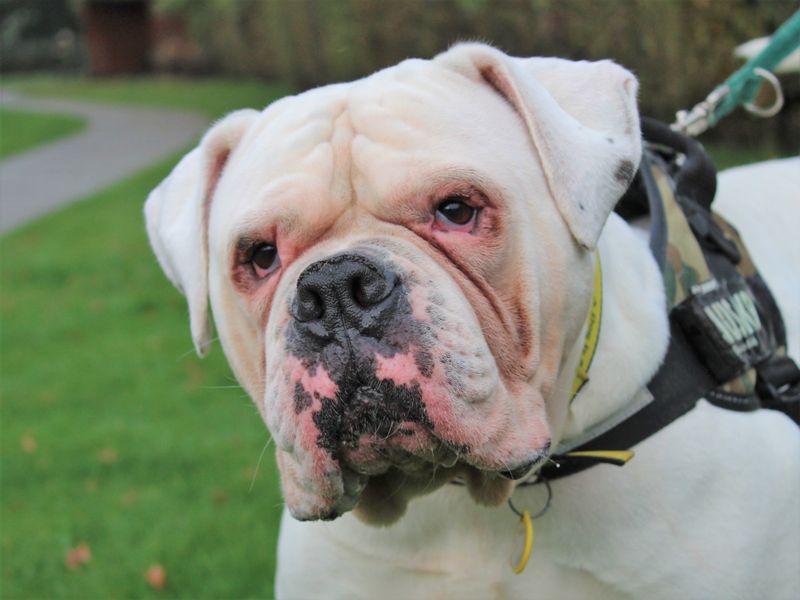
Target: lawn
{"points": [[727, 156], [214, 97], [116, 438], [21, 130]]}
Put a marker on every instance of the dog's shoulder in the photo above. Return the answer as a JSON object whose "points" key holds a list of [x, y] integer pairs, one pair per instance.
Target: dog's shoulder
{"points": [[763, 202]]}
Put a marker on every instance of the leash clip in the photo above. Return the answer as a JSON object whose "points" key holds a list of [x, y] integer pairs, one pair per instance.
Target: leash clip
{"points": [[697, 120]]}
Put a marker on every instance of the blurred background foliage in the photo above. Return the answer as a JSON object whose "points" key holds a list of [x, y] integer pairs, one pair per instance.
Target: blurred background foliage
{"points": [[679, 49]]}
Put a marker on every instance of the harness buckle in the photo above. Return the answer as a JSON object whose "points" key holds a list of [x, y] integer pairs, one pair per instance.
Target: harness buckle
{"points": [[778, 385], [778, 373]]}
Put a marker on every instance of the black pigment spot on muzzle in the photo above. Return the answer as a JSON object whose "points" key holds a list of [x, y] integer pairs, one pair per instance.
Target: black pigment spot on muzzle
{"points": [[344, 291], [349, 309]]}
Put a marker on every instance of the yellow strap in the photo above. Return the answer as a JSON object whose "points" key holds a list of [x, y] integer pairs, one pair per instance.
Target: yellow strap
{"points": [[620, 456], [527, 523], [592, 332]]}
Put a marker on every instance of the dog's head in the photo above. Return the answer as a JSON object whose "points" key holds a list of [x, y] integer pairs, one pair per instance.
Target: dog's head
{"points": [[400, 267]]}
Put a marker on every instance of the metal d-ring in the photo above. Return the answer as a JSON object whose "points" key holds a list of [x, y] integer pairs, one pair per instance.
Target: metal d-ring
{"points": [[546, 504], [769, 111]]}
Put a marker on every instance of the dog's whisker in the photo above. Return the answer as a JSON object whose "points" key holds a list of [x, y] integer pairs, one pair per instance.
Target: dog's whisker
{"points": [[222, 387], [258, 464]]}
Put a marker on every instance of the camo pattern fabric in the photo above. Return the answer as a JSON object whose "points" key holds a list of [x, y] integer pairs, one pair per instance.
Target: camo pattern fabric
{"points": [[685, 266]]}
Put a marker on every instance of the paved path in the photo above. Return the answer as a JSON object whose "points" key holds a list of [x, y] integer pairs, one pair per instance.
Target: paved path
{"points": [[118, 141]]}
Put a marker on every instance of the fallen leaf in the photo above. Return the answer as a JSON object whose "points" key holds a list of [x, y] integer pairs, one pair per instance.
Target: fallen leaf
{"points": [[156, 576], [129, 498], [108, 456], [77, 556], [28, 443]]}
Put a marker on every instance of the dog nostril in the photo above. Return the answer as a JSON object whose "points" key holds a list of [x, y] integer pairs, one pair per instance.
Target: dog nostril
{"points": [[370, 288], [308, 305], [357, 292]]}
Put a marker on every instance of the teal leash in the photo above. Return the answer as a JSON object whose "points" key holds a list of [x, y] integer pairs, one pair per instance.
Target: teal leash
{"points": [[741, 87]]}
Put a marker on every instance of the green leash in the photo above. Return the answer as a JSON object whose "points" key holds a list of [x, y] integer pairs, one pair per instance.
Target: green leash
{"points": [[742, 87]]}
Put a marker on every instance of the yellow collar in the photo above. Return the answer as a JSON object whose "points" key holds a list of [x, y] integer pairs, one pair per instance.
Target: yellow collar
{"points": [[592, 332]]}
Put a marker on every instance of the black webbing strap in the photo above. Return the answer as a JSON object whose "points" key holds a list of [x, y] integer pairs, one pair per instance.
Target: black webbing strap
{"points": [[672, 398], [779, 386]]}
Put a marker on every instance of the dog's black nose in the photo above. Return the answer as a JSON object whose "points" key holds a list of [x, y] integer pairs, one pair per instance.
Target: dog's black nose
{"points": [[348, 290]]}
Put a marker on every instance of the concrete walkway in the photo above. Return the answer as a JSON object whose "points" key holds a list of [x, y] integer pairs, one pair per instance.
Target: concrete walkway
{"points": [[117, 142]]}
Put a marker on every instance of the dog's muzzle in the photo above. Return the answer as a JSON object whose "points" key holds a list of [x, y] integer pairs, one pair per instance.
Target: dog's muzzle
{"points": [[347, 312]]}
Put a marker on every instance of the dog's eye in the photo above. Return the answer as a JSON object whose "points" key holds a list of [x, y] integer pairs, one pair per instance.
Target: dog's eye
{"points": [[454, 213], [265, 259]]}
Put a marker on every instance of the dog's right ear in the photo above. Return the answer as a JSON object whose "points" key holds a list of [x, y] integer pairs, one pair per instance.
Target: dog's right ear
{"points": [[582, 120], [176, 213]]}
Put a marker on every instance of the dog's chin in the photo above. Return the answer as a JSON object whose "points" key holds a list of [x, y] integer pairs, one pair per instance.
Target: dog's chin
{"points": [[378, 482], [385, 497]]}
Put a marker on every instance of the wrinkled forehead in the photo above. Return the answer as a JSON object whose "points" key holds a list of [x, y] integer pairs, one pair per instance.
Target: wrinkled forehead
{"points": [[420, 120], [363, 142]]}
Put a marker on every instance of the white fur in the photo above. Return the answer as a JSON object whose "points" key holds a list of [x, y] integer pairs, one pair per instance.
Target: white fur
{"points": [[707, 509]]}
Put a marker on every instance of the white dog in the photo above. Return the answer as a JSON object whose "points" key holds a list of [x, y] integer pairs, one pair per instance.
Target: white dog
{"points": [[400, 270]]}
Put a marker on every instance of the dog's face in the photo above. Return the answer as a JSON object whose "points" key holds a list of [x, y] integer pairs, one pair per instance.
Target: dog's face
{"points": [[398, 267]]}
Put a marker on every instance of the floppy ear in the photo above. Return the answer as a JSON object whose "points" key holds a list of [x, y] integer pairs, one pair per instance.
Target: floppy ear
{"points": [[583, 122], [176, 214]]}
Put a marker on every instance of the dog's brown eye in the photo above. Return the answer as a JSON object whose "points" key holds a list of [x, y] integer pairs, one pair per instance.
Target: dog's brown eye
{"points": [[454, 211], [265, 259]]}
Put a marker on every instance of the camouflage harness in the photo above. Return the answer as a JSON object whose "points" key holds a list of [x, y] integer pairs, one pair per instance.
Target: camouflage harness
{"points": [[727, 337]]}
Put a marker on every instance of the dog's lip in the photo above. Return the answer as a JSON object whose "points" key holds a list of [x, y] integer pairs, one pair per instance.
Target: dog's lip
{"points": [[439, 454], [444, 455], [521, 471], [524, 469]]}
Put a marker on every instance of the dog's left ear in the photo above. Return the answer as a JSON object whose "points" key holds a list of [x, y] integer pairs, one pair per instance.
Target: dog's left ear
{"points": [[583, 122], [176, 213]]}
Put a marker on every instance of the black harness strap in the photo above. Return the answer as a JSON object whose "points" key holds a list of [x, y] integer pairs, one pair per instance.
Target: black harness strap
{"points": [[698, 359], [673, 397]]}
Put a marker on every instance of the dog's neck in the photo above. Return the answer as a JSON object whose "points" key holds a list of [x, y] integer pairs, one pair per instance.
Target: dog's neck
{"points": [[634, 331]]}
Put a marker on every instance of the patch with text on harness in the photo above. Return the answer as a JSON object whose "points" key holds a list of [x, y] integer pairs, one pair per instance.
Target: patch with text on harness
{"points": [[721, 320]]}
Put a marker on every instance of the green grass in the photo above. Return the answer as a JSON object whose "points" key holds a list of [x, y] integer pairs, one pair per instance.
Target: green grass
{"points": [[22, 130], [726, 156], [97, 363], [213, 97], [114, 434]]}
